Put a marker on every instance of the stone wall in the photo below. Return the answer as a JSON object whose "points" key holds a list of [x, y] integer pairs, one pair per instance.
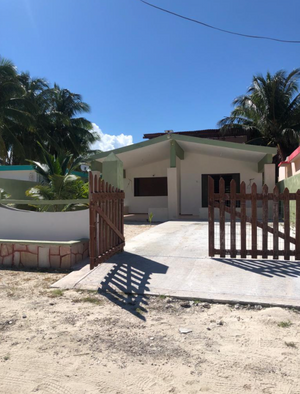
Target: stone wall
{"points": [[55, 255]]}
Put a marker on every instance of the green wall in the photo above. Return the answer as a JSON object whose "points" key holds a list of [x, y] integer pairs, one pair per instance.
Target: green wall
{"points": [[16, 188], [293, 184]]}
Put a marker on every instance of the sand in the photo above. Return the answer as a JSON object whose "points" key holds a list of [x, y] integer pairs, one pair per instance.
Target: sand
{"points": [[83, 342]]}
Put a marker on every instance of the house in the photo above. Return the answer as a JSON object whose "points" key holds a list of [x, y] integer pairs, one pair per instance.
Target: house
{"points": [[291, 166], [168, 175], [289, 177]]}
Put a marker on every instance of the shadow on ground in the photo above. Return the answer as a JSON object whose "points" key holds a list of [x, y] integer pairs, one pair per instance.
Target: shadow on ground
{"points": [[269, 268], [127, 281]]}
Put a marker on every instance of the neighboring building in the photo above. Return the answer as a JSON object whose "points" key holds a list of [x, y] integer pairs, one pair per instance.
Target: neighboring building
{"points": [[233, 135], [289, 177], [168, 175], [291, 166], [20, 173], [16, 179]]}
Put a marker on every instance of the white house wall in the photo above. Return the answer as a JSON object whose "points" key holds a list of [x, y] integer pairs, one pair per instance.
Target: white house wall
{"points": [[141, 204], [192, 168]]}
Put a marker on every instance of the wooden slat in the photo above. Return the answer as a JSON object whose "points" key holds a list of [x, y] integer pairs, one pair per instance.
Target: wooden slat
{"points": [[259, 196], [118, 219], [259, 252], [92, 224], [243, 220], [232, 218], [101, 228], [297, 226], [107, 196], [106, 212], [254, 221], [110, 253], [97, 218], [114, 218], [222, 216], [275, 221], [265, 214], [211, 217], [286, 210], [110, 217], [110, 223], [106, 221], [259, 224], [122, 220]]}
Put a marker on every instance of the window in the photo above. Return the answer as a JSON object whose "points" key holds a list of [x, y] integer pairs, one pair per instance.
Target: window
{"points": [[216, 177], [151, 187]]}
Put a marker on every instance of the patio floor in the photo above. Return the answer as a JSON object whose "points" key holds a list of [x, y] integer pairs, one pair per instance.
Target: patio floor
{"points": [[172, 259]]}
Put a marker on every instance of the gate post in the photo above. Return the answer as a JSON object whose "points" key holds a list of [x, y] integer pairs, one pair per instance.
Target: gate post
{"points": [[211, 217], [297, 257], [92, 221]]}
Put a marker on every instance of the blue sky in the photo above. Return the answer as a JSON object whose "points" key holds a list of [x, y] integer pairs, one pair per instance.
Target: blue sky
{"points": [[142, 70]]}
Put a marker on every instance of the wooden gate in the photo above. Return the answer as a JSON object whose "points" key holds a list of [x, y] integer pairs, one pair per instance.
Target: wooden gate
{"points": [[106, 220], [244, 234]]}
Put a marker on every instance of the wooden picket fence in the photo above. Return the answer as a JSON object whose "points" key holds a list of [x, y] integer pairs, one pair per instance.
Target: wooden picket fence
{"points": [[106, 220], [234, 204]]}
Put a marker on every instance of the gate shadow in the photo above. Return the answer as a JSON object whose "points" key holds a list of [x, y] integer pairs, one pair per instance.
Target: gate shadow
{"points": [[269, 268], [127, 281]]}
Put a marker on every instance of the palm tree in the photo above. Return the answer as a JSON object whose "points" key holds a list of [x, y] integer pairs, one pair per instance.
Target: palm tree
{"points": [[67, 132], [269, 112], [67, 187], [62, 165], [35, 100], [58, 182], [12, 111], [32, 112]]}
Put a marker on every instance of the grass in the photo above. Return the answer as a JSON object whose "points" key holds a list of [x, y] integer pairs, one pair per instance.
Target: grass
{"points": [[6, 358], [162, 296], [91, 300], [196, 302], [284, 324], [291, 344], [56, 293], [139, 311]]}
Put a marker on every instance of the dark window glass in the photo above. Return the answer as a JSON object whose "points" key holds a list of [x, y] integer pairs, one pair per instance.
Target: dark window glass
{"points": [[152, 187], [216, 177]]}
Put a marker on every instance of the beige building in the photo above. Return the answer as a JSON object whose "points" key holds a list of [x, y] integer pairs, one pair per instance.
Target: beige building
{"points": [[291, 166], [168, 175]]}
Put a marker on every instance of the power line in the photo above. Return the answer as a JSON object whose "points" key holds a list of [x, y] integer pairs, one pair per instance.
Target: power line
{"points": [[219, 29]]}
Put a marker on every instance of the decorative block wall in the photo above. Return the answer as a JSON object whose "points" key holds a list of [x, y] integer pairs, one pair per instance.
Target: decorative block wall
{"points": [[43, 255]]}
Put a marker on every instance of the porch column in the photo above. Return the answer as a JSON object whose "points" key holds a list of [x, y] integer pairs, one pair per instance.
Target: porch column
{"points": [[269, 176], [173, 193], [112, 171], [96, 167]]}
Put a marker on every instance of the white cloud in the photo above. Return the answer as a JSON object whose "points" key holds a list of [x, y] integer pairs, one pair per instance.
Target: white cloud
{"points": [[109, 142]]}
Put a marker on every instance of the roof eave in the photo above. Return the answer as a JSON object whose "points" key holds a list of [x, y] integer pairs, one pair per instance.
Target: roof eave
{"points": [[184, 138]]}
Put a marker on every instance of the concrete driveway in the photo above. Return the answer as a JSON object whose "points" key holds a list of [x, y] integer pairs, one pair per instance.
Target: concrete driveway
{"points": [[172, 259]]}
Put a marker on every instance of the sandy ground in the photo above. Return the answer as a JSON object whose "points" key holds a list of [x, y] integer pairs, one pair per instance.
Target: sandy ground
{"points": [[76, 342]]}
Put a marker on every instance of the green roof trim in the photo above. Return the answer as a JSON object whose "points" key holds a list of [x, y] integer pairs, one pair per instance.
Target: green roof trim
{"points": [[16, 168], [226, 144], [267, 159], [129, 148], [184, 138], [175, 151]]}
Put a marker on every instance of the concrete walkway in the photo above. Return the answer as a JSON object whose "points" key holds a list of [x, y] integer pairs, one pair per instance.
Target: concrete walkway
{"points": [[171, 259]]}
